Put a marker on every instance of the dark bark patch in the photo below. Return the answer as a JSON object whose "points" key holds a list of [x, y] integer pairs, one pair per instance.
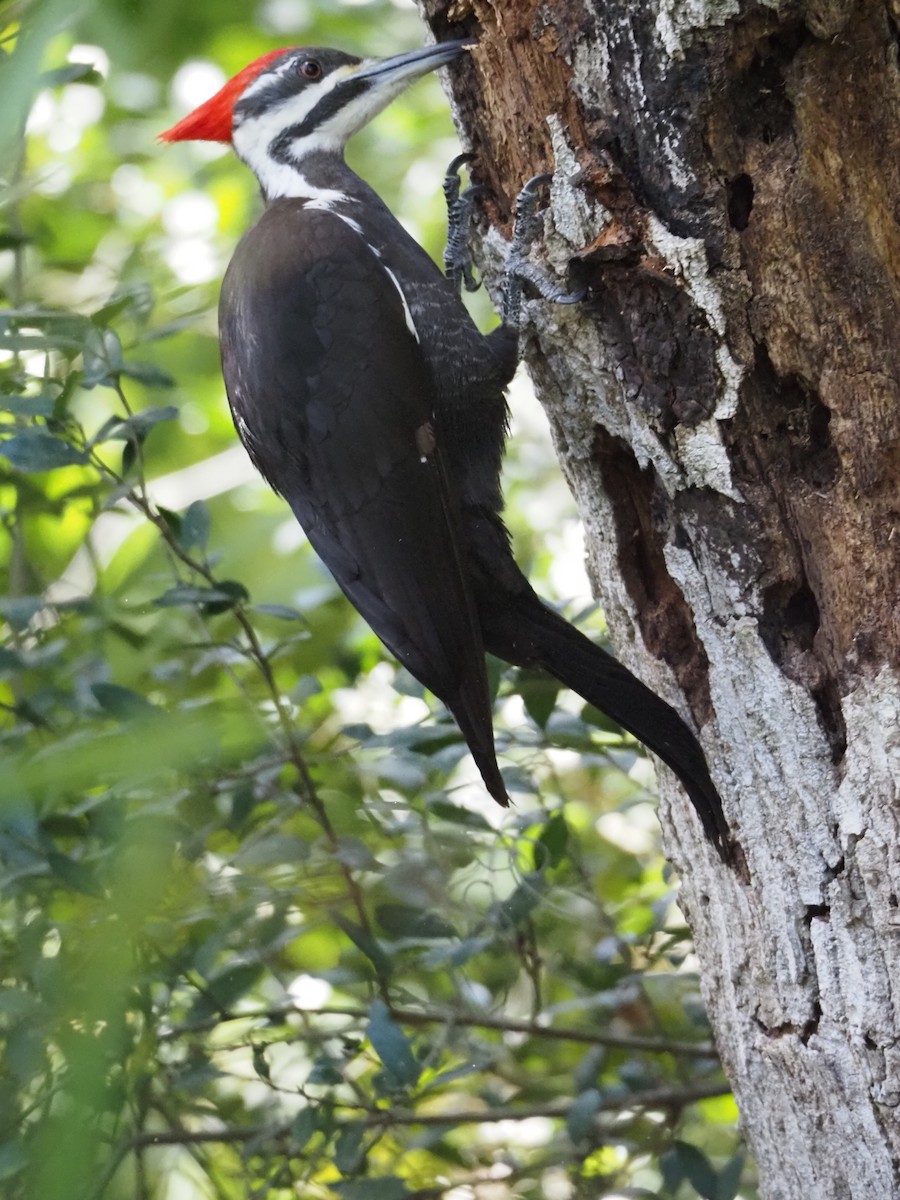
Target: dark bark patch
{"points": [[740, 201], [790, 618], [788, 626], [827, 699], [790, 1029], [643, 78], [784, 427], [664, 618], [811, 1026], [757, 100], [667, 350], [781, 449]]}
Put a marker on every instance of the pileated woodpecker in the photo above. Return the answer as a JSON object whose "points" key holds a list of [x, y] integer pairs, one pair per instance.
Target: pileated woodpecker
{"points": [[369, 400]]}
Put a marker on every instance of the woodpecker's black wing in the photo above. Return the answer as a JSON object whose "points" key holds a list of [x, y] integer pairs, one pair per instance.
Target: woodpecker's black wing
{"points": [[331, 396]]}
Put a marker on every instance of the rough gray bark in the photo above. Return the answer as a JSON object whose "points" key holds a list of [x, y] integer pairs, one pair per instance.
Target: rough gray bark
{"points": [[726, 406]]}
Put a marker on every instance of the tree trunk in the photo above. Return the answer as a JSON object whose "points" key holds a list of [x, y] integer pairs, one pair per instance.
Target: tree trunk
{"points": [[726, 405]]}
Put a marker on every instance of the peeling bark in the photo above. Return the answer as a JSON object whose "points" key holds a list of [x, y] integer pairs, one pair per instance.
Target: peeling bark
{"points": [[726, 406]]}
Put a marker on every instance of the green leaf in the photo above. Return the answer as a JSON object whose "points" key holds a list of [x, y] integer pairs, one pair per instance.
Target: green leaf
{"points": [[196, 524], [65, 331], [75, 72], [550, 847], [129, 456], [281, 611], [588, 1067], [25, 1050], [138, 425], [41, 405], [20, 610], [354, 853], [225, 595], [349, 1149], [16, 1002], [685, 1162], [135, 300], [260, 1063], [232, 594], [149, 374], [363, 941], [400, 920], [457, 956], [325, 1070], [519, 906], [13, 1159], [10, 660], [76, 875], [539, 692], [392, 1046], [233, 982], [457, 815], [306, 1125], [402, 772], [33, 450], [730, 1178], [102, 358], [275, 849], [580, 1122], [122, 702], [384, 1187]]}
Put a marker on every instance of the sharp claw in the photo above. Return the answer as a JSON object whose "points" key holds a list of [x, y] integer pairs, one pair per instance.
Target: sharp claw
{"points": [[457, 263], [460, 161], [534, 183], [526, 226], [452, 182]]}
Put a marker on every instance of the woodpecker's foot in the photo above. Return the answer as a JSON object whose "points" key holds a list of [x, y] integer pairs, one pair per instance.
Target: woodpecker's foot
{"points": [[457, 259], [527, 227]]}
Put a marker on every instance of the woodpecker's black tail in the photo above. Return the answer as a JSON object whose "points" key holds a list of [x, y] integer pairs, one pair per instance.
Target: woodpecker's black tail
{"points": [[471, 710], [526, 633]]}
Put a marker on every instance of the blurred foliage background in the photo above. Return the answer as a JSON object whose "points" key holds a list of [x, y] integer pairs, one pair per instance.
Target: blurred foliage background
{"points": [[261, 932]]}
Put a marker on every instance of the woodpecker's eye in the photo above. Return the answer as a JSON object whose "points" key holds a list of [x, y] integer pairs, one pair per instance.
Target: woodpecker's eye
{"points": [[309, 68]]}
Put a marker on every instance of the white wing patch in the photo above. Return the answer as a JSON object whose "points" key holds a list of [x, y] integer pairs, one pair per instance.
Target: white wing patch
{"points": [[410, 323]]}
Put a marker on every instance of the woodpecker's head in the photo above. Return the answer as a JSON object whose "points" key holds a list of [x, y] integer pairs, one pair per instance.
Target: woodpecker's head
{"points": [[289, 103]]}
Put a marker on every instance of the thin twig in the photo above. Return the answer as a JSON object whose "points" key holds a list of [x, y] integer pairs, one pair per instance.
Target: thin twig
{"points": [[409, 1016], [653, 1098]]}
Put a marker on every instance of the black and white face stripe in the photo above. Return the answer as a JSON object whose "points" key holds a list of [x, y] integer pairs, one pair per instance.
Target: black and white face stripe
{"points": [[285, 78], [313, 100], [331, 105]]}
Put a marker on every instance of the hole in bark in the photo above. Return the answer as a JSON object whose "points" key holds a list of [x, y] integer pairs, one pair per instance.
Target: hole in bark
{"points": [[789, 425], [838, 868], [666, 622], [789, 624], [740, 201], [812, 1025], [815, 912], [827, 700], [760, 103], [790, 619]]}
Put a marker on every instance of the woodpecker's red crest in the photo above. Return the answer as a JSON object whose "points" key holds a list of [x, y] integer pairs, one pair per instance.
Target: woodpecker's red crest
{"points": [[213, 120]]}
